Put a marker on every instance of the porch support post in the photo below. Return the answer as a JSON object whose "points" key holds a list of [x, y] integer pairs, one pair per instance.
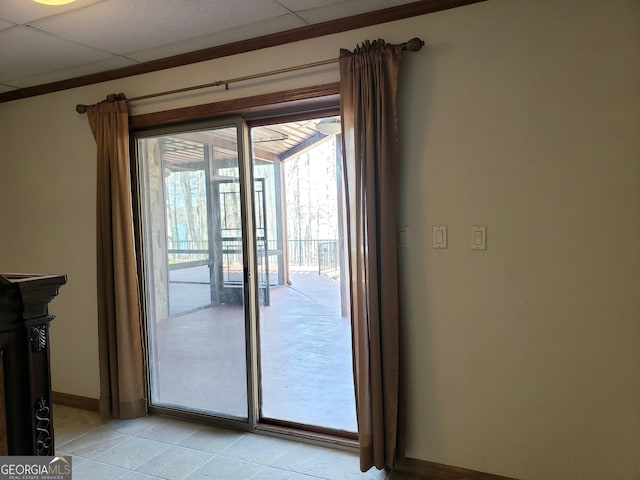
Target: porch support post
{"points": [[281, 222], [342, 244]]}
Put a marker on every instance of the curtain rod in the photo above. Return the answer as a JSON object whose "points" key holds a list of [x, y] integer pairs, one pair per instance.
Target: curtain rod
{"points": [[412, 45]]}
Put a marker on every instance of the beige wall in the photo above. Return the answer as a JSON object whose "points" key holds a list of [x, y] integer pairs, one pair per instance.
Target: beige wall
{"points": [[49, 202], [524, 359]]}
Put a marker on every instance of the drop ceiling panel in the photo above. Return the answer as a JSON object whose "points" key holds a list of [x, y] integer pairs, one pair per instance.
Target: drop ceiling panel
{"points": [[24, 11], [297, 5], [273, 25], [25, 51], [122, 26], [347, 9], [110, 63], [6, 88], [4, 24]]}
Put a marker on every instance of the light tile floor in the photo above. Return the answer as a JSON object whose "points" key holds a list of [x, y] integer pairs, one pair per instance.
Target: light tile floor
{"points": [[156, 447]]}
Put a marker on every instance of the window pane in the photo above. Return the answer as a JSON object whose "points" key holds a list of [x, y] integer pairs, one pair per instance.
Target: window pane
{"points": [[304, 324]]}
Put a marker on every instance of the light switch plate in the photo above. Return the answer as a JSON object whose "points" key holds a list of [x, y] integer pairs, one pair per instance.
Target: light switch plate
{"points": [[439, 236], [478, 237]]}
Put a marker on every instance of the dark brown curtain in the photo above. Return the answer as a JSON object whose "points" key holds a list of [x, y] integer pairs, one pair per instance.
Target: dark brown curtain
{"points": [[368, 94], [122, 378]]}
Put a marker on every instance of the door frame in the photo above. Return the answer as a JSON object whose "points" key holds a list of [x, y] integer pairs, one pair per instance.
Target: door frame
{"points": [[262, 113]]}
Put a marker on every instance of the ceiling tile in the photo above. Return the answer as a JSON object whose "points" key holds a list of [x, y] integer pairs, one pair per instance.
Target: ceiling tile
{"points": [[6, 88], [77, 71], [121, 26], [297, 5], [24, 11], [347, 9], [278, 24], [26, 51], [5, 24]]}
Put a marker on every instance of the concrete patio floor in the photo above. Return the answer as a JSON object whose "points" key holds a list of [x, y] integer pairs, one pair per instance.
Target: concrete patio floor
{"points": [[305, 354]]}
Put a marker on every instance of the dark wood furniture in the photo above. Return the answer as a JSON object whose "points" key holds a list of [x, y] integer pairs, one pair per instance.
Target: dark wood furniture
{"points": [[26, 423]]}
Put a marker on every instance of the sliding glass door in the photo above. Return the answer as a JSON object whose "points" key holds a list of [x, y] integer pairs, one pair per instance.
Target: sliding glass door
{"points": [[247, 307]]}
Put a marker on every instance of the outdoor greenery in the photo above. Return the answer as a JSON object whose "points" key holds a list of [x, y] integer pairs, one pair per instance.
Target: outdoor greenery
{"points": [[310, 192]]}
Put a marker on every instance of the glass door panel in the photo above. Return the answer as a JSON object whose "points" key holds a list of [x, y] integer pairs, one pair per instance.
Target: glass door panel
{"points": [[194, 271], [304, 327]]}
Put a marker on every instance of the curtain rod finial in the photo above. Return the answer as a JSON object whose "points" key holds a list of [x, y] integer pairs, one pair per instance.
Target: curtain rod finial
{"points": [[81, 108], [414, 44]]}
